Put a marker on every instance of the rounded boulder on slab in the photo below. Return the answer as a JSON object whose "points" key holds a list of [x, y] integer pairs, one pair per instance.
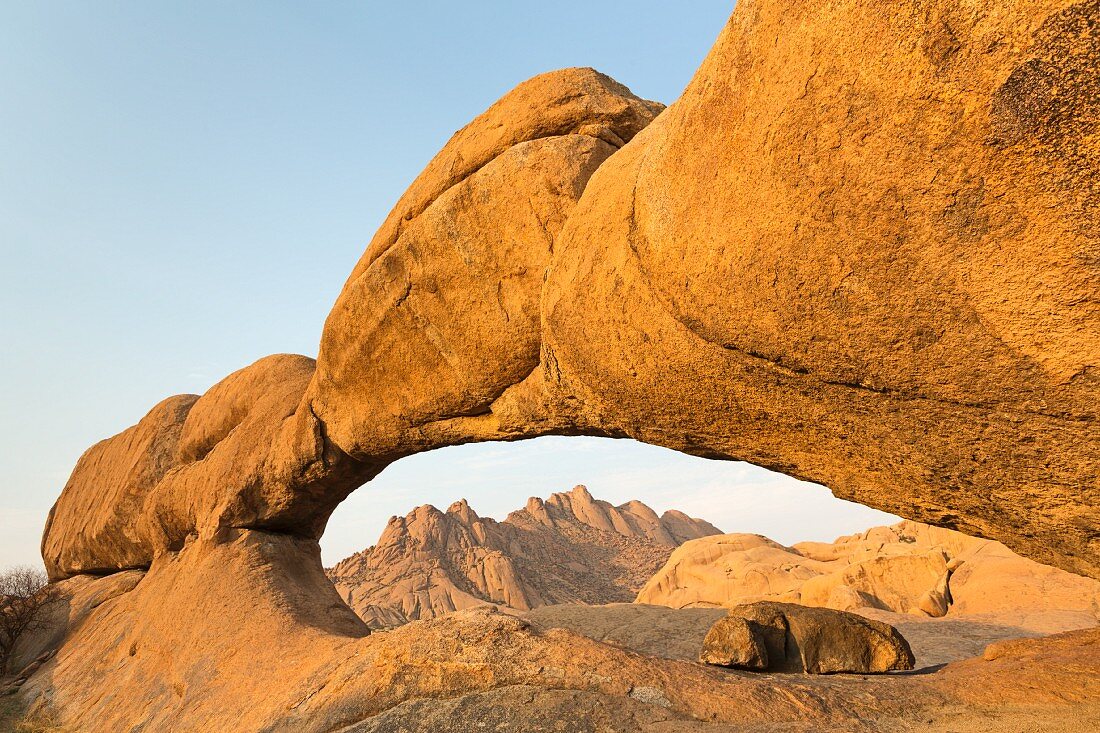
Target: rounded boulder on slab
{"points": [[732, 642], [803, 639]]}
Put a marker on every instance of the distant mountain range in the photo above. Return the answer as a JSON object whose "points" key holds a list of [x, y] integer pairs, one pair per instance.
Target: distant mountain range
{"points": [[571, 548]]}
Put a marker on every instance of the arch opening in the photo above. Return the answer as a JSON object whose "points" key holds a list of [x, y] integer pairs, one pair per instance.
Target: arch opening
{"points": [[565, 529], [556, 520], [498, 477]]}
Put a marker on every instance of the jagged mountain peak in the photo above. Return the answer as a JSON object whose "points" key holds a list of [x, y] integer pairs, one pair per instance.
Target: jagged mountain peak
{"points": [[570, 547]]}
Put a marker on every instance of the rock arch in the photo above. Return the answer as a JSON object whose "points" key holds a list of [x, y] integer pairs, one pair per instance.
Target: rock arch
{"points": [[832, 265], [864, 258]]}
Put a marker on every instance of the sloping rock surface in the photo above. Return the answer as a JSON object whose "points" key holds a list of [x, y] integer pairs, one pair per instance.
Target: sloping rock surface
{"points": [[571, 548], [907, 568], [284, 660]]}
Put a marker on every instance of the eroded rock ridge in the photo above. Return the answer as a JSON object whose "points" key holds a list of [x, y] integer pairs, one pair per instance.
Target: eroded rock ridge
{"points": [[571, 548]]}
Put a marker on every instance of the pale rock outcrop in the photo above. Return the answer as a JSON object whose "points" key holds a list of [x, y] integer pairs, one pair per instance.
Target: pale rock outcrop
{"points": [[901, 583], [725, 570], [571, 548], [905, 568]]}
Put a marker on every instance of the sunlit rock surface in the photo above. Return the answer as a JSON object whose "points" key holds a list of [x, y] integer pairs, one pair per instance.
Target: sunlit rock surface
{"points": [[908, 568], [861, 250]]}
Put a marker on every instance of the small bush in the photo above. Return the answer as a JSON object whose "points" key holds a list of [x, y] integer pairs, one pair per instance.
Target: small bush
{"points": [[24, 597]]}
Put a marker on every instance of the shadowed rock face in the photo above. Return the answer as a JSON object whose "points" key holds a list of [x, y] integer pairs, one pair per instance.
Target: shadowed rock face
{"points": [[787, 637], [862, 249]]}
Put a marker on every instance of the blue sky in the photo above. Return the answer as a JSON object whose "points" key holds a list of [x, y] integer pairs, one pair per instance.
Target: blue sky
{"points": [[184, 188]]}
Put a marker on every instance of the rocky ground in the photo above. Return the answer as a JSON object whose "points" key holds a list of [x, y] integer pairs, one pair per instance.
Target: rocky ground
{"points": [[569, 667], [625, 667], [481, 666], [672, 633]]}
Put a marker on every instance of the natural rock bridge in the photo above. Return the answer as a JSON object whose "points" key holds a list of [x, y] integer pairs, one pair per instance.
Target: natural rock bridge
{"points": [[868, 259]]}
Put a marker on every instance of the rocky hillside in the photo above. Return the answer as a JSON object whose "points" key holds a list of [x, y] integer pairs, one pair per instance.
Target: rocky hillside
{"points": [[908, 568], [570, 548]]}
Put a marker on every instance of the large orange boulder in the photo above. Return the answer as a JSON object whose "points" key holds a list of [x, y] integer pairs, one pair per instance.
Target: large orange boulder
{"points": [[241, 455], [786, 637], [92, 527], [441, 315], [861, 250]]}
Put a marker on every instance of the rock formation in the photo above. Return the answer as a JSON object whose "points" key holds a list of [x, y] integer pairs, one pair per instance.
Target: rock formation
{"points": [[907, 568], [861, 250], [679, 633], [786, 637], [821, 339], [571, 548], [280, 669]]}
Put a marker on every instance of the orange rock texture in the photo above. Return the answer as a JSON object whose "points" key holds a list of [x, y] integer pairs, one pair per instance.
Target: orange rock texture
{"points": [[199, 644], [861, 250], [863, 259]]}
